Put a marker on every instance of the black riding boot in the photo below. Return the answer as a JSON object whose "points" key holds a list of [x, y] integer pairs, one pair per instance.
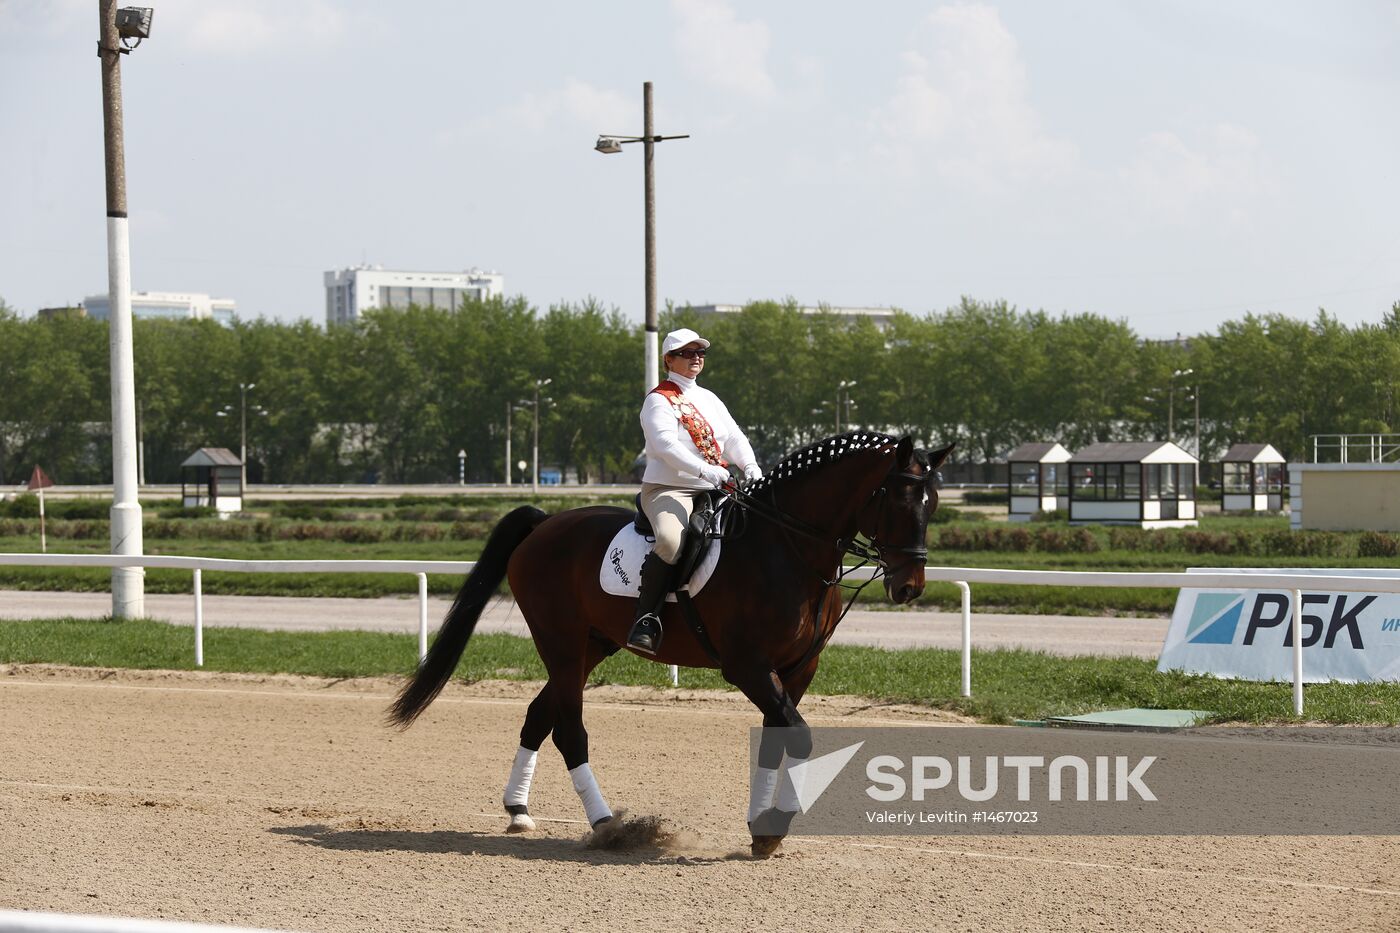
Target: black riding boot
{"points": [[655, 584]]}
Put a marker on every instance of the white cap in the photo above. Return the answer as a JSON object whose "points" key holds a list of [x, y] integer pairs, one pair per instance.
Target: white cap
{"points": [[679, 338]]}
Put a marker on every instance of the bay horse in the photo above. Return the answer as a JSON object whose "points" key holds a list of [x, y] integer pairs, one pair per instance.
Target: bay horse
{"points": [[769, 608]]}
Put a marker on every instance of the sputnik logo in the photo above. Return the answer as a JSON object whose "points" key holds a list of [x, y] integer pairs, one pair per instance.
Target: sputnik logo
{"points": [[811, 778]]}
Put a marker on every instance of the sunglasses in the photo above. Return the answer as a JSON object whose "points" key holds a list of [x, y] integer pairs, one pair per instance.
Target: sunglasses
{"points": [[690, 353]]}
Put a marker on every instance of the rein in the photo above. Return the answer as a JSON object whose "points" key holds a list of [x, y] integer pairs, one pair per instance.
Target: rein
{"points": [[869, 553]]}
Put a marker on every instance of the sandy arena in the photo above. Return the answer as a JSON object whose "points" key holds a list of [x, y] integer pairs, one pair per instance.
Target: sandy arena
{"points": [[284, 802]]}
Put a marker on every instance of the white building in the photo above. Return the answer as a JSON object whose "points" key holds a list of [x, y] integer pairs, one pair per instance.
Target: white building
{"points": [[349, 292], [1151, 484], [178, 306], [880, 317]]}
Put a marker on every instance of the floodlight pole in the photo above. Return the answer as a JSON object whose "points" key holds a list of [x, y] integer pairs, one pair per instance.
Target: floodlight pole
{"points": [[128, 583], [653, 329], [648, 139]]}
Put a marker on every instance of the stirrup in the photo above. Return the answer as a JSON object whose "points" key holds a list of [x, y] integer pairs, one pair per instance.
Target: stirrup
{"points": [[646, 634]]}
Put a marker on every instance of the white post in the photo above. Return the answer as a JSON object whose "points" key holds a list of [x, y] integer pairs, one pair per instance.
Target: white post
{"points": [[43, 535], [128, 583], [1297, 652], [675, 676], [198, 618], [966, 638], [652, 347], [422, 617]]}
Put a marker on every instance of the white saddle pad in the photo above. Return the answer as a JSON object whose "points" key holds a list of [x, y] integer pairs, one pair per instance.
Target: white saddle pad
{"points": [[621, 571]]}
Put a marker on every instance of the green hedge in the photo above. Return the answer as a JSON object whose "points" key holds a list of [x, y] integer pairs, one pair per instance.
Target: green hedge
{"points": [[1249, 543], [27, 506]]}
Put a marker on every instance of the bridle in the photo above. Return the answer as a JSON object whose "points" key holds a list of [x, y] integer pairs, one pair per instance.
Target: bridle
{"points": [[871, 552]]}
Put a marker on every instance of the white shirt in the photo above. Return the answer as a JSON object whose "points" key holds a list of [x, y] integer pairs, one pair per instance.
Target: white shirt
{"points": [[672, 457]]}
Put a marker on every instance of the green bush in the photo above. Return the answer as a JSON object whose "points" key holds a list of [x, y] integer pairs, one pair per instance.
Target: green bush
{"points": [[945, 514], [189, 511], [1054, 515], [22, 506], [986, 497], [308, 512], [77, 509], [1377, 544]]}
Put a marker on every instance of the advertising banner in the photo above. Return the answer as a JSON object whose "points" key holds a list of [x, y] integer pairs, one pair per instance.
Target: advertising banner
{"points": [[1248, 634]]}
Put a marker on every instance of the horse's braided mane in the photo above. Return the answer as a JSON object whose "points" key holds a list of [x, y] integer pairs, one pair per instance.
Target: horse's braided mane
{"points": [[821, 453]]}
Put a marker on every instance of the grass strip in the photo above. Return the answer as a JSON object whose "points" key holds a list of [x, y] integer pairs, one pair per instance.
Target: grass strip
{"points": [[1007, 684]]}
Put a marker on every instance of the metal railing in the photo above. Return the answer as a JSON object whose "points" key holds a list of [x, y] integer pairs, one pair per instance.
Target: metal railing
{"points": [[1355, 448], [962, 577]]}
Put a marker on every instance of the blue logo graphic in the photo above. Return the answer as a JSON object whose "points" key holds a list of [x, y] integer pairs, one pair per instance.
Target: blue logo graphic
{"points": [[1214, 619]]}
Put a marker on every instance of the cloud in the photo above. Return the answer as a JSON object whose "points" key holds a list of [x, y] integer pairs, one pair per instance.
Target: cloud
{"points": [[716, 47], [597, 109], [262, 25], [961, 106], [1171, 181]]}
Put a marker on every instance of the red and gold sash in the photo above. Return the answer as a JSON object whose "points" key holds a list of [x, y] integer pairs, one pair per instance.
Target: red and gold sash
{"points": [[695, 424]]}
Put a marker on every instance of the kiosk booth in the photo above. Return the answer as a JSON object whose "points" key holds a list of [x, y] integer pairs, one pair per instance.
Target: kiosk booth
{"points": [[1037, 480], [1252, 478], [1151, 484], [212, 476]]}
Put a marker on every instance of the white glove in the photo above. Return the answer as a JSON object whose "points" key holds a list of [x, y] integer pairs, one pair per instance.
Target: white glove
{"points": [[752, 472], [717, 475]]}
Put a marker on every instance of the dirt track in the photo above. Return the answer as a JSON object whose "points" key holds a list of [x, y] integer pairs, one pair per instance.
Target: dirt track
{"points": [[283, 802]]}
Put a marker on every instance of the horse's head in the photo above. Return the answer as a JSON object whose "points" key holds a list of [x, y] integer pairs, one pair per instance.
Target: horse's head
{"points": [[896, 518]]}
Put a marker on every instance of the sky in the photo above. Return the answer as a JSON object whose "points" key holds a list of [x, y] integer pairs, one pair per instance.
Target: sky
{"points": [[1172, 164]]}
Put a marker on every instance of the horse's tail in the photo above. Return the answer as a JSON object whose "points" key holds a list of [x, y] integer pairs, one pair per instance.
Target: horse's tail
{"points": [[457, 628]]}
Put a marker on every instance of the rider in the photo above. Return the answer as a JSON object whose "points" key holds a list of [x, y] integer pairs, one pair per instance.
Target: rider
{"points": [[689, 435]]}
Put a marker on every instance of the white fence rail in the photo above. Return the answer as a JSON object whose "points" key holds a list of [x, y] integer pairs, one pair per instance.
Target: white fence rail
{"points": [[962, 577]]}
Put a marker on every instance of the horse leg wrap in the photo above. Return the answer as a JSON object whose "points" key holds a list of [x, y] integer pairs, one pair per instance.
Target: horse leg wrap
{"points": [[586, 786], [522, 772], [762, 788]]}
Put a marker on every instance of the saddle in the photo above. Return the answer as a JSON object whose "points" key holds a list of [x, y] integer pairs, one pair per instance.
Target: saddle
{"points": [[714, 517]]}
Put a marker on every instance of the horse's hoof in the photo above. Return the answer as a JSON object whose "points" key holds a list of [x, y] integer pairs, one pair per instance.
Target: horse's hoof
{"points": [[764, 846], [520, 823]]}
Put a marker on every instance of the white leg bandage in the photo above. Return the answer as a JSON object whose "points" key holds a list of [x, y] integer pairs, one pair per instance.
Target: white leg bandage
{"points": [[586, 786], [522, 772], [790, 786], [762, 788]]}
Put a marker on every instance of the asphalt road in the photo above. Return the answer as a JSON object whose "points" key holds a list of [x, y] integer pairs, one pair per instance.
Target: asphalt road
{"points": [[1060, 635]]}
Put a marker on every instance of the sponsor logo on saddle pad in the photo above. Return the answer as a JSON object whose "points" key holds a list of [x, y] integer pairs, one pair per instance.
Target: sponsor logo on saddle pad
{"points": [[620, 573], [983, 781]]}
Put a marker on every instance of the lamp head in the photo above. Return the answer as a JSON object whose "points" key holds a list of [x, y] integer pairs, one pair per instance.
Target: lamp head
{"points": [[134, 22], [608, 145]]}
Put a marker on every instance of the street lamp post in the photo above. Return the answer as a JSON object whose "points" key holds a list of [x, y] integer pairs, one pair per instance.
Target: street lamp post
{"points": [[509, 407], [1171, 400], [539, 384], [243, 388], [609, 145], [843, 388], [128, 583]]}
